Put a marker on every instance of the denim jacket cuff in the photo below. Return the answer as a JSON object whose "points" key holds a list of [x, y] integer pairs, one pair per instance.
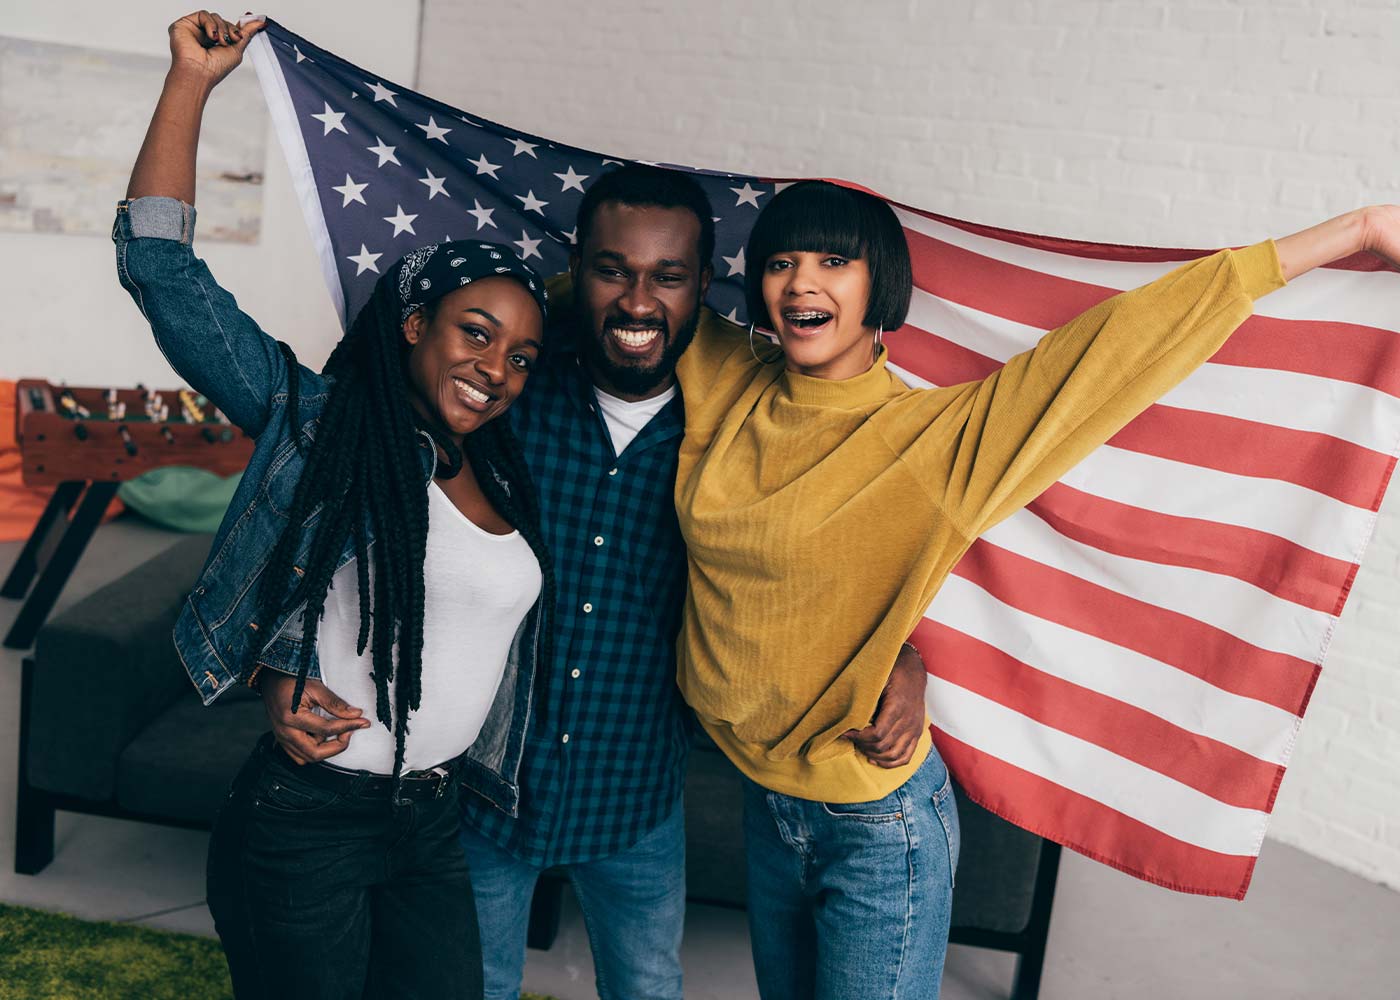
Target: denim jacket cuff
{"points": [[156, 218]]}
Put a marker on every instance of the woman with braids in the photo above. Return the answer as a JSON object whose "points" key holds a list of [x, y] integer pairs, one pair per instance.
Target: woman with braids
{"points": [[823, 503], [384, 543]]}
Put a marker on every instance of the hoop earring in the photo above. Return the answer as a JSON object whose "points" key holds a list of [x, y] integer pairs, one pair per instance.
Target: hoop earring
{"points": [[751, 348], [879, 341]]}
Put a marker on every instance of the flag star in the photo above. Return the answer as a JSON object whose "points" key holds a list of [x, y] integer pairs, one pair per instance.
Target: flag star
{"points": [[485, 166], [736, 263], [572, 180], [469, 121], [350, 191], [528, 247], [331, 120], [748, 194], [382, 93], [482, 215], [402, 222], [531, 203], [435, 187], [733, 315], [385, 153], [433, 130], [364, 261], [521, 146], [300, 57], [571, 236]]}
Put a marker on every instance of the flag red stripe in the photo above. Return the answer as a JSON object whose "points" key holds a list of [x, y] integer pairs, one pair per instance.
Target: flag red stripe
{"points": [[1328, 465], [1207, 765], [1090, 827], [1340, 469], [1277, 565], [1204, 651], [1045, 301], [1347, 352]]}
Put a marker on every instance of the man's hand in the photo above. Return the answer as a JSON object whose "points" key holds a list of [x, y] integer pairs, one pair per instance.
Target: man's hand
{"points": [[900, 719], [306, 736]]}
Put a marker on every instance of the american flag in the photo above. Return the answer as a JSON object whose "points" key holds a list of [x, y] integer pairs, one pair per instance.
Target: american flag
{"points": [[1123, 666]]}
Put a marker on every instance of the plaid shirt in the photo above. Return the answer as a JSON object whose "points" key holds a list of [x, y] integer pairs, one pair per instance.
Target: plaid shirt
{"points": [[605, 753]]}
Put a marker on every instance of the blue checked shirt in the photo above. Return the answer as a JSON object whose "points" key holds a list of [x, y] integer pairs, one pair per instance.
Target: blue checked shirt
{"points": [[605, 752]]}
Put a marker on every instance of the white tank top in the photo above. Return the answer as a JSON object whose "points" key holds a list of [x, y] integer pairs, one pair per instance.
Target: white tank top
{"points": [[477, 590]]}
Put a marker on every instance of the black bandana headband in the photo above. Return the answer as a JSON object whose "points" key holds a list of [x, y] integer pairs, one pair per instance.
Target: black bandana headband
{"points": [[428, 273]]}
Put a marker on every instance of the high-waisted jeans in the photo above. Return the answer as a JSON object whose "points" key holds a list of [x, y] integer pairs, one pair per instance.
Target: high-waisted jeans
{"points": [[852, 900], [337, 892]]}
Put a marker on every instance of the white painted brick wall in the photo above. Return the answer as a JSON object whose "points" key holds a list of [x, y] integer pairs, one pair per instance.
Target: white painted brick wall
{"points": [[1142, 122]]}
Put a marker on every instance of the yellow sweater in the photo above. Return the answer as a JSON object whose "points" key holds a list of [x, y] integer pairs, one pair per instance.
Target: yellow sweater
{"points": [[821, 517]]}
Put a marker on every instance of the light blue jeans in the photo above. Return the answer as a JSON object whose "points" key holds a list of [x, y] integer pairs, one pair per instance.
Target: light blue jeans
{"points": [[852, 900], [633, 905]]}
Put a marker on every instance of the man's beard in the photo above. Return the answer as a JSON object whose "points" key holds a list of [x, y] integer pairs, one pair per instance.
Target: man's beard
{"points": [[635, 379]]}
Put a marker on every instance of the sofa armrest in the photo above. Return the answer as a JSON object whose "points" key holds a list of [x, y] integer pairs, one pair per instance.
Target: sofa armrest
{"points": [[104, 670]]}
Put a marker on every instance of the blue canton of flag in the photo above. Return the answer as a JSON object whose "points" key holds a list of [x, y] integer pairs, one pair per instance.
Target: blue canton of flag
{"points": [[381, 169]]}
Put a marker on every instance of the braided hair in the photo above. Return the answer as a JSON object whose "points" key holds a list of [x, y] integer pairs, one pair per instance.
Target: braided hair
{"points": [[363, 476]]}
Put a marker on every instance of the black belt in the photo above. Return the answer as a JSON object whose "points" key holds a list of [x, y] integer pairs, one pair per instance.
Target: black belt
{"points": [[415, 786]]}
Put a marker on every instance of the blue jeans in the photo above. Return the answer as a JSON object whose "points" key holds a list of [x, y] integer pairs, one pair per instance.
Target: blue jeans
{"points": [[633, 905], [852, 900]]}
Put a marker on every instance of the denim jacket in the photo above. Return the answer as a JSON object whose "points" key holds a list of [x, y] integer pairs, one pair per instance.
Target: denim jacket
{"points": [[221, 352]]}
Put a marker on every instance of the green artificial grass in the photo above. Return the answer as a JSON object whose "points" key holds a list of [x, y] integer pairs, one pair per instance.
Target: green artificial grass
{"points": [[49, 956]]}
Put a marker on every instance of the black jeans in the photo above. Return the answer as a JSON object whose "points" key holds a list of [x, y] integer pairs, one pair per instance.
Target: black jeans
{"points": [[336, 893]]}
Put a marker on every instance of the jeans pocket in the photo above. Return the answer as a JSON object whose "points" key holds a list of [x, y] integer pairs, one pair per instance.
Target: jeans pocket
{"points": [[278, 792], [886, 810], [946, 806]]}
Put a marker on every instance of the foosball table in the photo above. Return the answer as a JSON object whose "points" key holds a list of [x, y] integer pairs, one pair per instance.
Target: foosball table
{"points": [[85, 442]]}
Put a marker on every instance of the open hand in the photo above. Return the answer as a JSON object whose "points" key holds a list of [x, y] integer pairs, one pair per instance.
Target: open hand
{"points": [[900, 720], [207, 44], [306, 736]]}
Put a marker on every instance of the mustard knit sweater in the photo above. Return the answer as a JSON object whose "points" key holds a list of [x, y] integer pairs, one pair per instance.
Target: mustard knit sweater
{"points": [[821, 517]]}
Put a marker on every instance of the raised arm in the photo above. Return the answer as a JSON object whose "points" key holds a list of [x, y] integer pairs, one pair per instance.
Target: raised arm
{"points": [[210, 342], [988, 448]]}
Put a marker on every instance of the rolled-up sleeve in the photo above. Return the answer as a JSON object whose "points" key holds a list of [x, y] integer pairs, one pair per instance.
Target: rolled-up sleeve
{"points": [[212, 344]]}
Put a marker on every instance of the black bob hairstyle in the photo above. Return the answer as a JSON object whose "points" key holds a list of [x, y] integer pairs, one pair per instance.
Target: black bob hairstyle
{"points": [[642, 185], [822, 217]]}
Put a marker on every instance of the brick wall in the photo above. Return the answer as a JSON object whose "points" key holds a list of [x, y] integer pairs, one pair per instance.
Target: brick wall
{"points": [[1140, 122]]}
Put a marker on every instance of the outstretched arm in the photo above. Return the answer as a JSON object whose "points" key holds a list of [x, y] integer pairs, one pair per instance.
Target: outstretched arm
{"points": [[214, 346], [204, 48], [1376, 228]]}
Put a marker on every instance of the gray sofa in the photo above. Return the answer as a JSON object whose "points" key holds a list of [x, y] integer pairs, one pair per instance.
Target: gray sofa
{"points": [[110, 725]]}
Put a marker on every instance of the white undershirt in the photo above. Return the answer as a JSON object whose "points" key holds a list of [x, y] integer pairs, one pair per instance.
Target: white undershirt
{"points": [[477, 590], [626, 419]]}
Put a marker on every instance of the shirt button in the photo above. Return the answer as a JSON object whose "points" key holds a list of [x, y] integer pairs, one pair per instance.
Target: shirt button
{"points": [[574, 673], [612, 472], [566, 738], [588, 609], [597, 539]]}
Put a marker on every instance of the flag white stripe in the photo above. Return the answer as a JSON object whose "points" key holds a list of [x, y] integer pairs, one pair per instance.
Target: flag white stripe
{"points": [[1229, 604], [1300, 515], [1362, 297], [1147, 796], [1289, 400], [283, 114], [1184, 700]]}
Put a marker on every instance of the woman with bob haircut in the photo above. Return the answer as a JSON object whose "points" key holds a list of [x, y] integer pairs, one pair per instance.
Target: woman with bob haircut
{"points": [[804, 584], [384, 543]]}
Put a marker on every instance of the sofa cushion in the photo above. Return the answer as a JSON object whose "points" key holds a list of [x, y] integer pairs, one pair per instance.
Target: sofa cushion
{"points": [[104, 669], [181, 765]]}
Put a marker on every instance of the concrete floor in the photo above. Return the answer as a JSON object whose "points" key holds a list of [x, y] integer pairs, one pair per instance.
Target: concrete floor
{"points": [[1307, 929]]}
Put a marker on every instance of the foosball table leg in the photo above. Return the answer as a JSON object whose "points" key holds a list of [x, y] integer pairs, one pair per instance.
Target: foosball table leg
{"points": [[22, 573], [60, 565]]}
